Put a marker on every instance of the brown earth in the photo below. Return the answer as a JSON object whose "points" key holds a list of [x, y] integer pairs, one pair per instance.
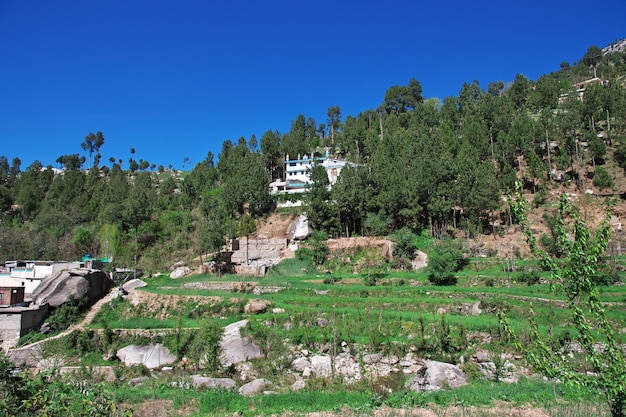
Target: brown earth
{"points": [[164, 408], [505, 244]]}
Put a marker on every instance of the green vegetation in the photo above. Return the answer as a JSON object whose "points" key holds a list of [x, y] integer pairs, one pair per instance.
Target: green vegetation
{"points": [[428, 173], [419, 165], [581, 251]]}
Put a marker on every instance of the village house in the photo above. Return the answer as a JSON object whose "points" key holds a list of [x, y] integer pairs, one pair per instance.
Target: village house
{"points": [[29, 274], [298, 173]]}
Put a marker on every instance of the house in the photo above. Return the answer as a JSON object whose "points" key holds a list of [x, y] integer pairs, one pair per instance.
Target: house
{"points": [[16, 321], [29, 274], [298, 173], [11, 296]]}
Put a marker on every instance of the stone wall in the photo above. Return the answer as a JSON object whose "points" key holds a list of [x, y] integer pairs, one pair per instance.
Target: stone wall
{"points": [[258, 249]]}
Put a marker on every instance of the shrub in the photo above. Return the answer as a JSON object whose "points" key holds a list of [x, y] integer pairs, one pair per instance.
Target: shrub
{"points": [[602, 179], [530, 278], [444, 260]]}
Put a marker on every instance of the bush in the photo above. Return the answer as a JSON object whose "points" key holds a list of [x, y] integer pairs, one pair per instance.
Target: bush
{"points": [[404, 248], [602, 179], [444, 260], [315, 248], [530, 278]]}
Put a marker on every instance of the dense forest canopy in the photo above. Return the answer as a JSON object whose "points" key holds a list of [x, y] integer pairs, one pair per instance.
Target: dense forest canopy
{"points": [[418, 163]]}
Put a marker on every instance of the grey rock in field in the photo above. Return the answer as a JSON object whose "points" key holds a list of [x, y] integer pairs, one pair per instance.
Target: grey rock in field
{"points": [[300, 364], [180, 272], [298, 385], [178, 265], [152, 356], [211, 383], [236, 349], [133, 284], [255, 387], [476, 310], [321, 366], [433, 376], [372, 358], [256, 306], [322, 322], [138, 381]]}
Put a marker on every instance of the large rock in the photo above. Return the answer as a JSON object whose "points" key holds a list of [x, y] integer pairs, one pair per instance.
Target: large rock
{"points": [[321, 366], [211, 383], [300, 364], [237, 349], [300, 228], [152, 356], [254, 387], [180, 272], [256, 306], [133, 284], [433, 376], [74, 284]]}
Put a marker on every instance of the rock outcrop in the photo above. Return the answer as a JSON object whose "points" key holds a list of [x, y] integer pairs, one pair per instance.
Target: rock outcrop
{"points": [[255, 387], [237, 349], [152, 356], [434, 375], [73, 284], [199, 382]]}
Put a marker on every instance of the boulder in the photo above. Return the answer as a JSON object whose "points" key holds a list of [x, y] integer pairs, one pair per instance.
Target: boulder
{"points": [[476, 310], [138, 381], [70, 285], [300, 228], [152, 356], [180, 272], [237, 349], [178, 265], [298, 385], [256, 306], [254, 387], [321, 366], [211, 383], [132, 284], [433, 376], [300, 364], [322, 322]]}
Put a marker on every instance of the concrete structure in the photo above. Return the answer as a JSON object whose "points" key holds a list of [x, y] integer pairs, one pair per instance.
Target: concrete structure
{"points": [[11, 295], [298, 173], [18, 321], [29, 274]]}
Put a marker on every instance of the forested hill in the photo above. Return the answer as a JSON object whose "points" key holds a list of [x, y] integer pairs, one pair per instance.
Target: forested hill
{"points": [[420, 163]]}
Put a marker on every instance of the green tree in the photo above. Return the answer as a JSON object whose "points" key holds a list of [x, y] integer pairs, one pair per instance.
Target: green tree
{"points": [[213, 224], [71, 162], [575, 274], [400, 99], [334, 122], [404, 250], [602, 179], [318, 205], [245, 227], [272, 158], [520, 90], [93, 143], [592, 57], [444, 260], [205, 348]]}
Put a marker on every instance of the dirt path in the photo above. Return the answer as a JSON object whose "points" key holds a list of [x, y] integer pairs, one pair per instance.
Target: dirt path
{"points": [[31, 354]]}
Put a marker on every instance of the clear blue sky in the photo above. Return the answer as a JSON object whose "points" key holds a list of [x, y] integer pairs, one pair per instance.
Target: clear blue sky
{"points": [[174, 79]]}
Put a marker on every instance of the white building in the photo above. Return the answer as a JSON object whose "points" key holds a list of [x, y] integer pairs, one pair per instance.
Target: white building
{"points": [[298, 173], [29, 274]]}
